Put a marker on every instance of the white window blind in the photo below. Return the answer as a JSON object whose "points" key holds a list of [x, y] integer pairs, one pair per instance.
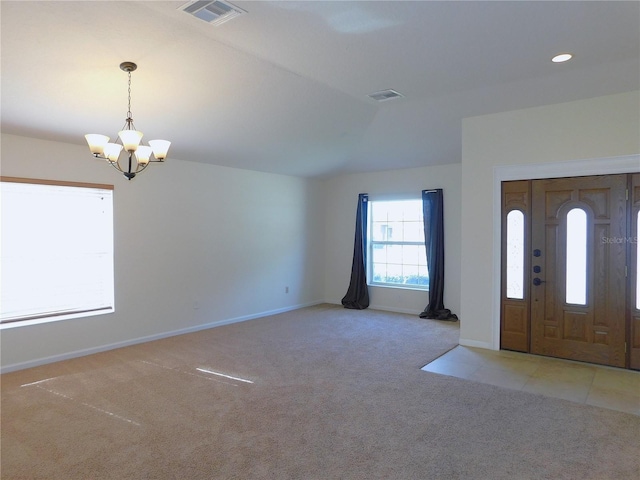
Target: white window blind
{"points": [[56, 250]]}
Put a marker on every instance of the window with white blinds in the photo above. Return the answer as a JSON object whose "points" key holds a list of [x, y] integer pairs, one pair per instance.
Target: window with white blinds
{"points": [[56, 250]]}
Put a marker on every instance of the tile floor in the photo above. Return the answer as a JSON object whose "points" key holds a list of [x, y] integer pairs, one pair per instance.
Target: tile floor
{"points": [[606, 387]]}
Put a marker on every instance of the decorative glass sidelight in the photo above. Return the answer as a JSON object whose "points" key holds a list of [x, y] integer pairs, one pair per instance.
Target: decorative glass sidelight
{"points": [[637, 240], [515, 254], [576, 283]]}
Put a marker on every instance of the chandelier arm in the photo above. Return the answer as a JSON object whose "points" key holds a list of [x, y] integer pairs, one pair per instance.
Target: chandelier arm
{"points": [[139, 168], [116, 165], [129, 173]]}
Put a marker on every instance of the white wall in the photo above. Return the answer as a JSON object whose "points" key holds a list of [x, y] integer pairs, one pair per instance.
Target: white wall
{"points": [[560, 139], [195, 245], [341, 202]]}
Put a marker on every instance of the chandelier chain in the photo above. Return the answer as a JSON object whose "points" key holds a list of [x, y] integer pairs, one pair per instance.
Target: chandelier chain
{"points": [[129, 99]]}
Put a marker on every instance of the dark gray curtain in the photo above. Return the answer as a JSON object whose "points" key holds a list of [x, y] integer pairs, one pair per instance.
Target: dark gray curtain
{"points": [[358, 294], [432, 213]]}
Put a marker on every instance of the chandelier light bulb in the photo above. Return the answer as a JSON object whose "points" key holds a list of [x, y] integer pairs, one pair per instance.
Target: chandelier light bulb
{"points": [[130, 139], [143, 153], [160, 148], [96, 143], [112, 151]]}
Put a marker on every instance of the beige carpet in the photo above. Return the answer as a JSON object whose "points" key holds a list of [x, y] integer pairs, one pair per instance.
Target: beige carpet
{"points": [[334, 394]]}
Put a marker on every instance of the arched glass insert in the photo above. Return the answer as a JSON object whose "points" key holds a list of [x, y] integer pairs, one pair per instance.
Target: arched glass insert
{"points": [[576, 257], [637, 239], [515, 254]]}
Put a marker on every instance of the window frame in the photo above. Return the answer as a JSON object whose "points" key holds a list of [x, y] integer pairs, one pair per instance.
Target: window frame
{"points": [[371, 242], [54, 316]]}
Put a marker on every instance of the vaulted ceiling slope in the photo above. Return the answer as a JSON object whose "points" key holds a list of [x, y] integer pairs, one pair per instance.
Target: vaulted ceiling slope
{"points": [[284, 87]]}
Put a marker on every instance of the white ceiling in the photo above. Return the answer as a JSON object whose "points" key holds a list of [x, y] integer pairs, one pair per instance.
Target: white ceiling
{"points": [[284, 87]]}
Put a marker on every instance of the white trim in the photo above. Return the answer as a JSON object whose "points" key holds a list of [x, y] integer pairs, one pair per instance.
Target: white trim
{"points": [[103, 348], [369, 247], [475, 343], [399, 286], [52, 319], [594, 166], [383, 308], [573, 168]]}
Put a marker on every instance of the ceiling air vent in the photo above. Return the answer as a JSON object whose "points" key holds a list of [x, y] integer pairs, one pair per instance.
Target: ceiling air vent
{"points": [[212, 12], [385, 95]]}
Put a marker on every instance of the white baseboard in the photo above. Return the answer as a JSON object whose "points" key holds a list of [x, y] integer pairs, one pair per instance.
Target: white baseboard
{"points": [[475, 343], [410, 311], [383, 308], [125, 343]]}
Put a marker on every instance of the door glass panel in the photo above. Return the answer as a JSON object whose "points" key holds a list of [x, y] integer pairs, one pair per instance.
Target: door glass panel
{"points": [[515, 254], [576, 257]]}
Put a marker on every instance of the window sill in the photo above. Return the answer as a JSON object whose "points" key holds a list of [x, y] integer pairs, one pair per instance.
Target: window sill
{"points": [[52, 319], [398, 287]]}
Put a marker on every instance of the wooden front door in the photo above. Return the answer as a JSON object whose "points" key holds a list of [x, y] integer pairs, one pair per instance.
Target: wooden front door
{"points": [[572, 303], [578, 296]]}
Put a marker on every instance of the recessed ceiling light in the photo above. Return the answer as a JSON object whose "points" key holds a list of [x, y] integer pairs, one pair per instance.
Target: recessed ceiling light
{"points": [[562, 57]]}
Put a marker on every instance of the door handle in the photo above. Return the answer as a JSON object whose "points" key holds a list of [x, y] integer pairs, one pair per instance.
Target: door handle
{"points": [[537, 281]]}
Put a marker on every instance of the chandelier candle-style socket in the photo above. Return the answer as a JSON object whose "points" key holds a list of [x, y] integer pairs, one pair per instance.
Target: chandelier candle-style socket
{"points": [[129, 140]]}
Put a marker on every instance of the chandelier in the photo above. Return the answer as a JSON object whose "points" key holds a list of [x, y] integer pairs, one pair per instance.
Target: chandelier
{"points": [[129, 140]]}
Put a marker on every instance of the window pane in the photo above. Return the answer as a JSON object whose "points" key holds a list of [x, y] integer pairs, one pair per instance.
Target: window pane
{"points": [[394, 273], [412, 275], [576, 283], [422, 260], [379, 253], [515, 254], [414, 232], [389, 211], [381, 231], [379, 271], [394, 254], [424, 275], [410, 271], [411, 254], [394, 230], [412, 211]]}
